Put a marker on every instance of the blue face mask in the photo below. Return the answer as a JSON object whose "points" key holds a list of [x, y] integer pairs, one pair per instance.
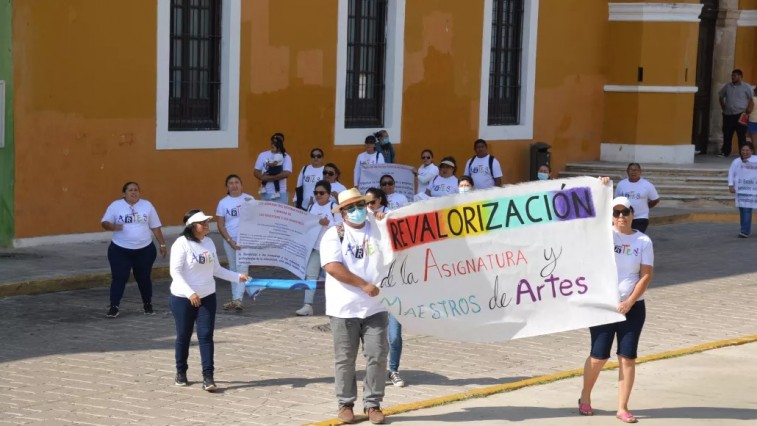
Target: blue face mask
{"points": [[542, 176], [387, 140], [464, 189], [357, 216]]}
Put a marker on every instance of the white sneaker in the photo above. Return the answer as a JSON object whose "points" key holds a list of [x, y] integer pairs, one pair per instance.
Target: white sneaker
{"points": [[305, 311], [275, 196], [394, 377], [261, 190]]}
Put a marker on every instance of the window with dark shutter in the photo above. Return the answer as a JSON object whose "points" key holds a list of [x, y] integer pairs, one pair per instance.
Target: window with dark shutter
{"points": [[505, 62], [366, 59], [195, 65]]}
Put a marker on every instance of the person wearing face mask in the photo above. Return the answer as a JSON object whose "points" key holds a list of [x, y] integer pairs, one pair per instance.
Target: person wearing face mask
{"points": [[384, 146], [465, 184], [544, 172], [351, 257]]}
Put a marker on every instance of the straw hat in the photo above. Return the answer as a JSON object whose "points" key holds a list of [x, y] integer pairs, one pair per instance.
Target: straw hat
{"points": [[348, 197]]}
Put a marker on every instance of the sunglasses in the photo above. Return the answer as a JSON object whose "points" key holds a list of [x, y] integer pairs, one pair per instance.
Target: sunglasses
{"points": [[316, 156], [350, 209], [372, 202], [320, 192], [387, 183], [624, 212], [425, 157], [329, 173]]}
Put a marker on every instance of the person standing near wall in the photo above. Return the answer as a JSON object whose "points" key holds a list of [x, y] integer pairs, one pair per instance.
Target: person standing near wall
{"points": [[265, 158], [735, 99], [642, 194], [309, 176], [384, 146], [745, 213], [132, 219], [227, 213], [369, 156], [483, 167]]}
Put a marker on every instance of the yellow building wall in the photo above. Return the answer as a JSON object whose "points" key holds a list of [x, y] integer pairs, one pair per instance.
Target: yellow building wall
{"points": [[85, 100], [745, 56]]}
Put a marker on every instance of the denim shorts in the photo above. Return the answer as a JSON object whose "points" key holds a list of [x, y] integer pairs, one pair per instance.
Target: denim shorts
{"points": [[752, 127], [628, 332]]}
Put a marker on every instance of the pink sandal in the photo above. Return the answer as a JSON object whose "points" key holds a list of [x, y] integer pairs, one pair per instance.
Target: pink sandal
{"points": [[584, 409], [627, 418]]}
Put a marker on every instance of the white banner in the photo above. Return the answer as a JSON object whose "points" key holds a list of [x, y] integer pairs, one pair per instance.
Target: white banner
{"points": [[404, 180], [275, 234], [745, 181], [503, 263]]}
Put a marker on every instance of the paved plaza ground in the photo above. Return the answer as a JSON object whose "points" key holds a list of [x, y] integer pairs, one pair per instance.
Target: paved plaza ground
{"points": [[63, 362]]}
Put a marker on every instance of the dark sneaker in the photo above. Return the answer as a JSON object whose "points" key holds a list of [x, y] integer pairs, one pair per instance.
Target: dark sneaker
{"points": [[375, 416], [396, 380], [181, 379], [208, 384], [346, 414], [743, 235], [148, 309], [112, 312]]}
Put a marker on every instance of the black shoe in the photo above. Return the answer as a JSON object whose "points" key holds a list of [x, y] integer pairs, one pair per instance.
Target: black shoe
{"points": [[208, 384], [181, 379], [148, 309], [112, 312]]}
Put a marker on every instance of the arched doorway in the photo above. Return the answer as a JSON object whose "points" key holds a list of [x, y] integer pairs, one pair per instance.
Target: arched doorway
{"points": [[701, 126]]}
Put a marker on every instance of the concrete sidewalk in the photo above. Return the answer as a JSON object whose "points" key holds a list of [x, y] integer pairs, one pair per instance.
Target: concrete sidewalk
{"points": [[63, 362]]}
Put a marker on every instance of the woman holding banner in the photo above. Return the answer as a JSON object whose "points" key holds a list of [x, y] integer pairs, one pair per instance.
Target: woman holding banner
{"points": [[194, 263], [745, 213], [227, 214], [446, 183], [634, 258], [396, 200], [321, 208]]}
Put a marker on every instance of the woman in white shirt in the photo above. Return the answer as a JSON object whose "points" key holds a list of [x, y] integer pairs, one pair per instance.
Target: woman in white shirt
{"points": [[377, 202], [265, 159], [309, 176], [395, 199], [331, 174], [194, 263], [446, 183], [634, 260], [738, 168], [369, 156], [322, 208], [227, 214], [132, 220], [427, 171]]}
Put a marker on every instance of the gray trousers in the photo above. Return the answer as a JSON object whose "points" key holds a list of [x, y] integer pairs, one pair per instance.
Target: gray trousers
{"points": [[348, 333]]}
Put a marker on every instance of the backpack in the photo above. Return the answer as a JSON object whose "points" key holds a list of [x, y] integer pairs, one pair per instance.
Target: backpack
{"points": [[299, 192], [491, 165]]}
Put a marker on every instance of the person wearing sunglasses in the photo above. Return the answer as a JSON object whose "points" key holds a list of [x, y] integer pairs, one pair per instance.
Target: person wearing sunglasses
{"points": [[446, 183], [227, 215], [331, 174], [395, 199], [307, 179], [634, 259], [427, 171], [133, 222], [351, 257], [322, 208], [194, 264], [377, 203], [368, 157]]}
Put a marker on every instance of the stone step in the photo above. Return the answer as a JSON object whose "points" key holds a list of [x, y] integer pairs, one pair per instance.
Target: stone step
{"points": [[614, 170], [661, 179]]}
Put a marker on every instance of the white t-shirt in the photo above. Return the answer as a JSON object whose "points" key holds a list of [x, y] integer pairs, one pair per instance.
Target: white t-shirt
{"points": [[631, 251], [479, 171], [262, 164], [396, 200], [358, 252], [441, 186], [228, 209], [425, 175], [324, 212], [639, 193], [337, 187], [736, 167], [307, 180], [365, 158], [138, 220], [193, 266]]}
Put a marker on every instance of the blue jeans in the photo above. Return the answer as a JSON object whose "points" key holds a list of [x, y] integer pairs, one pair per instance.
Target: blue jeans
{"points": [[395, 343], [122, 262], [745, 215], [186, 316]]}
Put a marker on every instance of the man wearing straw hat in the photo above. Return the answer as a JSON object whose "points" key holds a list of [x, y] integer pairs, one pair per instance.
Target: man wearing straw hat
{"points": [[350, 256]]}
